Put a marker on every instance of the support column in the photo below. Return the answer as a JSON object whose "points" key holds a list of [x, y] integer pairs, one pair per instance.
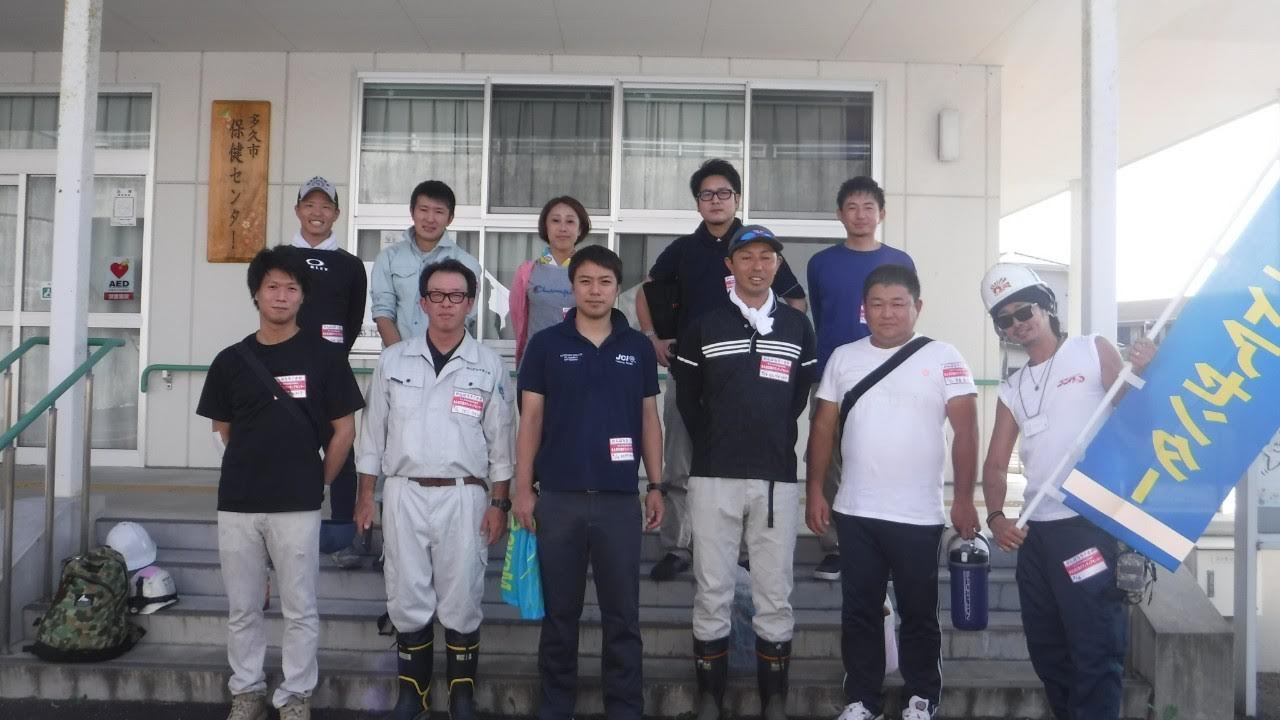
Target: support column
{"points": [[1100, 57], [1244, 621], [1075, 270], [72, 213]]}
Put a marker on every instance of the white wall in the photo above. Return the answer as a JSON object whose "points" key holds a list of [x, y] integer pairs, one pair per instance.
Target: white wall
{"points": [[944, 214]]}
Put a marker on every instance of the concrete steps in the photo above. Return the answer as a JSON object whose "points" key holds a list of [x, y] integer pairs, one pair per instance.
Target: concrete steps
{"points": [[182, 658], [509, 684]]}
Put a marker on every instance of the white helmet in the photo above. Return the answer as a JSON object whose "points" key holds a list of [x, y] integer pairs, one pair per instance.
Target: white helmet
{"points": [[151, 589], [1005, 282], [132, 541]]}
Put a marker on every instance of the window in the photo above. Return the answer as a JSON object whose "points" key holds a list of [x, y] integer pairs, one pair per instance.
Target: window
{"points": [[507, 145], [667, 134], [548, 141], [30, 122], [803, 145], [8, 241], [412, 133]]}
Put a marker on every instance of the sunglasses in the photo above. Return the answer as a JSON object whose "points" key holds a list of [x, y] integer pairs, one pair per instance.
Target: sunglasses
{"points": [[1022, 314]]}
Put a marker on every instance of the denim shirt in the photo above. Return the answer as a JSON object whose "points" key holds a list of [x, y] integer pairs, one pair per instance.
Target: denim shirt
{"points": [[393, 286]]}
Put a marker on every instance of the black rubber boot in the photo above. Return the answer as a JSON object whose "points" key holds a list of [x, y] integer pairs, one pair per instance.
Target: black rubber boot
{"points": [[711, 663], [414, 656], [773, 660], [461, 662]]}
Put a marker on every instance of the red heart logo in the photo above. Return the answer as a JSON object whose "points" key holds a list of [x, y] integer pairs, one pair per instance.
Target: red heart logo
{"points": [[119, 269]]}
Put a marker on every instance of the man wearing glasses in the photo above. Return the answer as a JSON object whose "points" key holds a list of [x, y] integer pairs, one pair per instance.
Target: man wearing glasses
{"points": [[438, 423], [696, 265]]}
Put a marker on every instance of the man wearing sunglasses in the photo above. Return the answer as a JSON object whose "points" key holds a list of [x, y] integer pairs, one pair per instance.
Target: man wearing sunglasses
{"points": [[1075, 619], [696, 264], [438, 423]]}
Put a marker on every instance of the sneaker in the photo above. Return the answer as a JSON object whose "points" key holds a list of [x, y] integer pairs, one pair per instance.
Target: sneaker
{"points": [[828, 569], [298, 708], [348, 558], [249, 706], [917, 709], [668, 567], [856, 711]]}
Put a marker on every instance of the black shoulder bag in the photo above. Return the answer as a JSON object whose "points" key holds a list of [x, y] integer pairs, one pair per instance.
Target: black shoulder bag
{"points": [[279, 393], [877, 375]]}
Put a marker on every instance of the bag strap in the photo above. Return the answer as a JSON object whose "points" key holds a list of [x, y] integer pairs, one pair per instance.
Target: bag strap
{"points": [[277, 391], [875, 376]]}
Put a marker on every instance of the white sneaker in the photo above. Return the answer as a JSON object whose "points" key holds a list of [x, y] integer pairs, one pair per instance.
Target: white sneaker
{"points": [[917, 708], [249, 706], [856, 711], [298, 708]]}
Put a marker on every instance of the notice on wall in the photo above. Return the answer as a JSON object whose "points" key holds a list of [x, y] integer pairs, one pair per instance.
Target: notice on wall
{"points": [[120, 283], [238, 152], [124, 203]]}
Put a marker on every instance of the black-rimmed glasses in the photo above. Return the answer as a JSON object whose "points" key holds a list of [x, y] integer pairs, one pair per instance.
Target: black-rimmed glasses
{"points": [[721, 194], [438, 296]]}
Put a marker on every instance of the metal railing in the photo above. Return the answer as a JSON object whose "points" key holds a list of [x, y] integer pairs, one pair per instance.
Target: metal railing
{"points": [[8, 446]]}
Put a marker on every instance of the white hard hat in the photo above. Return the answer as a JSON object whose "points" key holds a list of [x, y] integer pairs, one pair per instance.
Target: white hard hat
{"points": [[132, 541], [1006, 282], [152, 588]]}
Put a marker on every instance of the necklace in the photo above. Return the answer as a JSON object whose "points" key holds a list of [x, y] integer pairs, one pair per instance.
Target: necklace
{"points": [[1040, 385]]}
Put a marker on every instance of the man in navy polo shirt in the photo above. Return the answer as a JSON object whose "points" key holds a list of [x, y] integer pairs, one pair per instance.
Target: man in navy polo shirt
{"points": [[696, 264], [589, 413]]}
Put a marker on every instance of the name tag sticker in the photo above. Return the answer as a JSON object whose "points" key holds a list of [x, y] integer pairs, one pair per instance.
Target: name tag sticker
{"points": [[955, 374], [295, 385], [465, 403], [1035, 425], [1085, 565], [332, 333], [730, 282], [862, 314], [774, 368], [620, 450]]}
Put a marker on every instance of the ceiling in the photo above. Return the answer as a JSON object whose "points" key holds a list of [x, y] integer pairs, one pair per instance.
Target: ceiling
{"points": [[1185, 65]]}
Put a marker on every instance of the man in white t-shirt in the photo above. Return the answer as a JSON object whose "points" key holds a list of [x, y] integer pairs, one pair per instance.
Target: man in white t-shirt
{"points": [[889, 512]]}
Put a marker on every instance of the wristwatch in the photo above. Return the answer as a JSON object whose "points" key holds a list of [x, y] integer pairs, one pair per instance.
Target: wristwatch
{"points": [[503, 504], [656, 486]]}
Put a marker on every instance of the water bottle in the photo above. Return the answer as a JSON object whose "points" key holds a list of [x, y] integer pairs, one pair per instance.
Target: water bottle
{"points": [[970, 566]]}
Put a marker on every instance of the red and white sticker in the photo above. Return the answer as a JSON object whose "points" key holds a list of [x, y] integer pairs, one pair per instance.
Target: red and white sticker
{"points": [[465, 403], [774, 368], [1085, 565], [295, 385], [862, 314], [955, 373], [730, 282], [620, 450], [332, 333]]}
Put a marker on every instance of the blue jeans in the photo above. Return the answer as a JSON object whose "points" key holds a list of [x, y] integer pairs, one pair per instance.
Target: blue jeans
{"points": [[602, 528], [1076, 631]]}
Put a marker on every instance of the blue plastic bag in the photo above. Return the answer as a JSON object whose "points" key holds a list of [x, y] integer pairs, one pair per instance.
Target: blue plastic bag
{"points": [[521, 576]]}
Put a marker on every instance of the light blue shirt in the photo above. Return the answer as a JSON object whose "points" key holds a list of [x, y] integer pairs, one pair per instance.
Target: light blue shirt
{"points": [[393, 287]]}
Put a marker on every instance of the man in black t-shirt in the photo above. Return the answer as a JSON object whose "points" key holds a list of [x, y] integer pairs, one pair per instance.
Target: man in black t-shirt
{"points": [[276, 399], [333, 309], [696, 263]]}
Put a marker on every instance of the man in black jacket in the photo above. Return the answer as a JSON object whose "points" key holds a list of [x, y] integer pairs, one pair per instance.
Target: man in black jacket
{"points": [[743, 372]]}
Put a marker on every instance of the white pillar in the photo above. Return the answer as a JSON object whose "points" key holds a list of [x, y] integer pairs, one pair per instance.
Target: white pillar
{"points": [[72, 213], [1075, 270], [1100, 57]]}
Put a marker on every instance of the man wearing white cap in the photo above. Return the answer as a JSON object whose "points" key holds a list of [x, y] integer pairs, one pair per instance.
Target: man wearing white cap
{"points": [[334, 308]]}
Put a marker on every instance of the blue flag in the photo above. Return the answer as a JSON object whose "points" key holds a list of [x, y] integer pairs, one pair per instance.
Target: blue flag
{"points": [[1162, 464]]}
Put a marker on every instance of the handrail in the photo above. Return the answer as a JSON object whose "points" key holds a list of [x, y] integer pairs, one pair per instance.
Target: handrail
{"points": [[8, 449], [166, 367], [105, 345], [31, 342]]}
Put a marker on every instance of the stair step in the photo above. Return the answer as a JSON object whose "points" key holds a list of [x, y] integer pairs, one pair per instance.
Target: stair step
{"points": [[198, 572], [509, 683], [349, 625]]}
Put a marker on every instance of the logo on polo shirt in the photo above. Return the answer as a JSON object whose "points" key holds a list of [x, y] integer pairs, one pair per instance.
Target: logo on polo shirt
{"points": [[626, 359], [570, 357]]}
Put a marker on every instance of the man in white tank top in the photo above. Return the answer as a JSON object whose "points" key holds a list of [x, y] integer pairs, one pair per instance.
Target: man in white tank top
{"points": [[1075, 619]]}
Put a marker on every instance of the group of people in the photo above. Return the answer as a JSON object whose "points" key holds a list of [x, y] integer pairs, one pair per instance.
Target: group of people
{"points": [[744, 360]]}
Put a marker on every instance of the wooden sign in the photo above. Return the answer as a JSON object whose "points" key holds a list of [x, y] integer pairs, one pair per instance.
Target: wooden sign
{"points": [[238, 152]]}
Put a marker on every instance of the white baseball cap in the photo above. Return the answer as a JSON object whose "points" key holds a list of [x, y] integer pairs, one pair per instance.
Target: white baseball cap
{"points": [[319, 183]]}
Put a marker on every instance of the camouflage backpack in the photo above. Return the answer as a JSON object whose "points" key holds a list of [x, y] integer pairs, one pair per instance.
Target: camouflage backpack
{"points": [[87, 620]]}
